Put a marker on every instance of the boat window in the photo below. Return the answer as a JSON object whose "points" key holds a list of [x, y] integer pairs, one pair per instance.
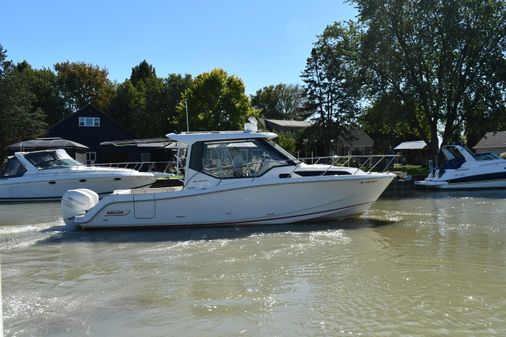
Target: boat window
{"points": [[50, 160], [238, 159], [12, 168], [486, 156]]}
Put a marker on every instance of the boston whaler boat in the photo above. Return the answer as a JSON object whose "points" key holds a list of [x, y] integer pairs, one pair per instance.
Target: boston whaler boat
{"points": [[466, 170], [233, 178], [48, 174]]}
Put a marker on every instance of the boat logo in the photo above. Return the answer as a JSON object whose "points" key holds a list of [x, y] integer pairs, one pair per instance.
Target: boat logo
{"points": [[116, 212]]}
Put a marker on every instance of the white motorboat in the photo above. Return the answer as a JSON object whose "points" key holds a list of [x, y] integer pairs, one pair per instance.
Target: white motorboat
{"points": [[233, 178], [466, 170], [48, 174]]}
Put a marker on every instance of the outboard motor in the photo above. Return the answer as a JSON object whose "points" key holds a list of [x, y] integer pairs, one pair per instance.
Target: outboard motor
{"points": [[77, 202]]}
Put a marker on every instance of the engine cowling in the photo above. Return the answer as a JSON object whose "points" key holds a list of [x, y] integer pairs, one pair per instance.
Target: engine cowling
{"points": [[77, 202]]}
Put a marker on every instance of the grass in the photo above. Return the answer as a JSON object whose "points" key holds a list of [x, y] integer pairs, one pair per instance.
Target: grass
{"points": [[412, 170]]}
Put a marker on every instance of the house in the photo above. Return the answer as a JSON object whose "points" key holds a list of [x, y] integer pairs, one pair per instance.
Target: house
{"points": [[90, 126], [355, 142], [494, 142], [413, 152]]}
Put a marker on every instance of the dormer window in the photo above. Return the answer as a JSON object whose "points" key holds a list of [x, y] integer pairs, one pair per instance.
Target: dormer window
{"points": [[89, 121]]}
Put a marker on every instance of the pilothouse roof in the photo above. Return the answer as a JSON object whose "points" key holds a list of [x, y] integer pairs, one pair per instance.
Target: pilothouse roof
{"points": [[190, 138]]}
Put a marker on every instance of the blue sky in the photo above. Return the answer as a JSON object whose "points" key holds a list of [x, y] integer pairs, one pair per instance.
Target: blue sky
{"points": [[263, 42]]}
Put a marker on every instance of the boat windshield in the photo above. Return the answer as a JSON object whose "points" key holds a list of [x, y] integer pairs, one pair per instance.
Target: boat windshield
{"points": [[51, 160], [12, 168], [486, 156], [238, 159]]}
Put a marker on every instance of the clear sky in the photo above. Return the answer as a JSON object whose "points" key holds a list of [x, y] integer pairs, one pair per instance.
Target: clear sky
{"points": [[263, 42]]}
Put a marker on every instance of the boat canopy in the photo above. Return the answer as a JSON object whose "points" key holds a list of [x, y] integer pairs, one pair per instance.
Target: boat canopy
{"points": [[190, 138]]}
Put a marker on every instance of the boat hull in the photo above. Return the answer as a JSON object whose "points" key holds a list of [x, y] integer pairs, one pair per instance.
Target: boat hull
{"points": [[45, 187], [287, 201], [468, 185]]}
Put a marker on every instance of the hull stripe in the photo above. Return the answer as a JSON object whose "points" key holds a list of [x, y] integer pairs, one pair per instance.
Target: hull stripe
{"points": [[479, 178]]}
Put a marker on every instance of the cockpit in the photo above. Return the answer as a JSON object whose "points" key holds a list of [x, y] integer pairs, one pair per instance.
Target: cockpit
{"points": [[238, 158], [12, 168], [51, 160]]}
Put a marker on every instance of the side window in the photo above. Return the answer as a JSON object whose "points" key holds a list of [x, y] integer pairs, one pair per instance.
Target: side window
{"points": [[236, 159], [12, 168]]}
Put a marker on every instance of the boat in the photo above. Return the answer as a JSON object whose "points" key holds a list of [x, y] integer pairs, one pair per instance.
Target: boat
{"points": [[465, 170], [233, 178], [48, 174]]}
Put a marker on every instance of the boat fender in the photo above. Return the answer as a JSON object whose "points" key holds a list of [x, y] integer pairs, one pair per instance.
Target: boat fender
{"points": [[77, 202]]}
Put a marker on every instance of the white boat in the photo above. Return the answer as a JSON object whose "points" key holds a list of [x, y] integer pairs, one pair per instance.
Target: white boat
{"points": [[48, 174], [466, 170], [265, 185]]}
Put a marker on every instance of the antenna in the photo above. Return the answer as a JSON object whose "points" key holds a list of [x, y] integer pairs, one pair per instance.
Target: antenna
{"points": [[187, 123]]}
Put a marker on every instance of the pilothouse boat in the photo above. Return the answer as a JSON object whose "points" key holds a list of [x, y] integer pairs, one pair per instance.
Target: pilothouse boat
{"points": [[233, 178], [48, 174]]}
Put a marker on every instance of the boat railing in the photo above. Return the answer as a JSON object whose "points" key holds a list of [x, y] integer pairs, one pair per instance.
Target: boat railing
{"points": [[160, 167], [367, 163]]}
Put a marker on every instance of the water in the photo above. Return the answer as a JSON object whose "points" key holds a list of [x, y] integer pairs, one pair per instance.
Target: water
{"points": [[417, 264]]}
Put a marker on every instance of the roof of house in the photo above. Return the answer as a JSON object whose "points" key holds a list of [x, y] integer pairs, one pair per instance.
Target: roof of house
{"points": [[411, 145], [492, 139], [360, 138]]}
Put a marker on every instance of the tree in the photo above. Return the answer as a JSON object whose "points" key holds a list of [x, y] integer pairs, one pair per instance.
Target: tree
{"points": [[287, 140], [216, 101], [126, 105], [146, 104], [389, 122], [447, 55], [174, 87], [20, 119], [281, 101], [333, 81], [142, 73], [42, 84], [80, 84]]}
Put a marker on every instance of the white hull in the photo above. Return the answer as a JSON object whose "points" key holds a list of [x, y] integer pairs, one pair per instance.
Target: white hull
{"points": [[301, 199], [52, 186], [484, 184], [48, 174]]}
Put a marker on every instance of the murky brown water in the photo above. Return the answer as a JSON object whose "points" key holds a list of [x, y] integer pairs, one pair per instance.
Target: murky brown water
{"points": [[417, 264]]}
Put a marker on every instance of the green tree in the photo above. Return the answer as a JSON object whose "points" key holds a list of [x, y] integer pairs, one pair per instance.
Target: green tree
{"points": [[281, 101], [42, 83], [80, 84], [126, 105], [333, 81], [174, 87], [288, 141], [216, 101], [142, 72], [446, 55], [20, 119], [146, 104], [389, 122]]}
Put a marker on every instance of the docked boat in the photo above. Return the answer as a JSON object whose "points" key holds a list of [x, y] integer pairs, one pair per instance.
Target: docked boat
{"points": [[466, 170], [48, 174], [233, 178]]}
